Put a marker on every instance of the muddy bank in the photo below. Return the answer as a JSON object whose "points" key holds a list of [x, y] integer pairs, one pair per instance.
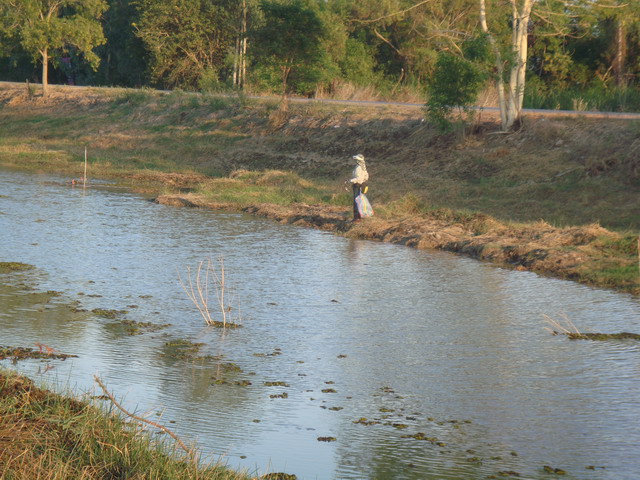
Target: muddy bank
{"points": [[567, 171], [560, 252]]}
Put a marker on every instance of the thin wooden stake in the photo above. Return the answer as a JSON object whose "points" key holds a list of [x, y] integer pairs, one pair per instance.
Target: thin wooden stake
{"points": [[84, 184]]}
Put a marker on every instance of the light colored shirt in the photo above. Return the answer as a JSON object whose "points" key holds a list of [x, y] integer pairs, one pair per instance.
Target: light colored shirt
{"points": [[360, 174]]}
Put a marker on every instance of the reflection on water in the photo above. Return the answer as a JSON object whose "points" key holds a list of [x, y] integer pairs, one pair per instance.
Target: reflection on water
{"points": [[446, 358]]}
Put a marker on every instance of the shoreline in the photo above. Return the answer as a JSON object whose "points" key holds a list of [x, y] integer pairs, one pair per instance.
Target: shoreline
{"points": [[512, 200], [539, 248]]}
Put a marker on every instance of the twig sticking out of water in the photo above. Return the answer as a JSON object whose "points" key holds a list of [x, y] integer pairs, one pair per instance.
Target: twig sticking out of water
{"points": [[190, 452], [197, 289], [557, 328]]}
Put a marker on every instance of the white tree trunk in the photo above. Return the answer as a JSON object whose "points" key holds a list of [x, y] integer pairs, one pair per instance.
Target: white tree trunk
{"points": [[45, 72], [240, 57], [511, 96], [499, 66]]}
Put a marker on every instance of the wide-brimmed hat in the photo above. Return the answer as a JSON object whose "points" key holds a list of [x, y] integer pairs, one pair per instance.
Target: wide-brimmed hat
{"points": [[359, 158]]}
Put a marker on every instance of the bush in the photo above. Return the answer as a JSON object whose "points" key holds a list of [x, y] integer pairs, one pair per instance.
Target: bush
{"points": [[456, 83]]}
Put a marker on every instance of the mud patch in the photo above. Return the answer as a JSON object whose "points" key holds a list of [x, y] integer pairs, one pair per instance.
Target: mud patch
{"points": [[43, 352]]}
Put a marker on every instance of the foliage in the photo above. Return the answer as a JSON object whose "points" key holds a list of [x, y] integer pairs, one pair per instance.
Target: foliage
{"points": [[124, 59], [61, 437], [53, 28], [594, 98], [455, 84], [185, 39], [381, 47], [290, 41]]}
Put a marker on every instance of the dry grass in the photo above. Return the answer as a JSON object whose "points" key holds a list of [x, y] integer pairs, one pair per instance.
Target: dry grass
{"points": [[48, 436], [564, 172]]}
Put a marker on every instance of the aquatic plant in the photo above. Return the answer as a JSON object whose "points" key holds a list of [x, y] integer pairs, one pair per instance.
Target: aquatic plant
{"points": [[6, 267], [207, 277], [571, 332]]}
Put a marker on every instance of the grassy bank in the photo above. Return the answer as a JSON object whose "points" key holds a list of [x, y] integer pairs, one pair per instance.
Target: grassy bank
{"points": [[46, 435], [560, 196]]}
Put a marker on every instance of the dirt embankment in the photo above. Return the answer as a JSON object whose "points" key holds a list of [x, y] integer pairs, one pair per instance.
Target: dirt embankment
{"points": [[424, 184], [540, 247]]}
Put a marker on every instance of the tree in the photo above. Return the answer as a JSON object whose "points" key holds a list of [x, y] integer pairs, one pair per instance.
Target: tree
{"points": [[456, 82], [511, 92], [290, 40], [45, 27], [186, 39], [123, 55], [623, 15]]}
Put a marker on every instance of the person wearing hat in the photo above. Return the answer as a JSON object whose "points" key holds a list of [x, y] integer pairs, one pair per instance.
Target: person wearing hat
{"points": [[358, 181]]}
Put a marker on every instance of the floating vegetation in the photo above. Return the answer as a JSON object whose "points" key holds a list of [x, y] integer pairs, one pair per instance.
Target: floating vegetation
{"points": [[508, 473], [275, 352], [278, 476], [329, 390], [279, 395], [110, 314], [131, 327], [327, 439], [555, 471], [276, 384], [572, 333], [342, 356], [23, 353], [399, 426], [7, 267], [336, 409], [218, 324], [181, 349], [422, 436], [386, 410], [604, 336], [225, 369], [366, 421]]}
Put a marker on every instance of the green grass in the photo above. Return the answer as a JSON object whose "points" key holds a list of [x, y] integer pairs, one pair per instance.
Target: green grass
{"points": [[584, 99], [61, 437], [276, 187], [565, 172]]}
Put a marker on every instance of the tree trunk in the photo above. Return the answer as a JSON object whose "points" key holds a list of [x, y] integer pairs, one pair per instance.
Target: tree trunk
{"points": [[499, 66], [45, 72], [511, 96], [236, 63], [621, 53], [243, 48], [240, 56]]}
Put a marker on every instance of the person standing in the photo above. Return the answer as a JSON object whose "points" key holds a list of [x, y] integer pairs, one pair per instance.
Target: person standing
{"points": [[358, 181]]}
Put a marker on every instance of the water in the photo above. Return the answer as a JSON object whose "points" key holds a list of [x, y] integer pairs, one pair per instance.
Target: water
{"points": [[413, 341]]}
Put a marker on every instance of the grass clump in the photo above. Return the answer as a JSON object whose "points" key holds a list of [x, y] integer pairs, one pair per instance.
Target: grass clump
{"points": [[46, 435], [615, 263], [7, 267], [244, 187]]}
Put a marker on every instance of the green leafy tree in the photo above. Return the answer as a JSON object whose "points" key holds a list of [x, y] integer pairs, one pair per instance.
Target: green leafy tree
{"points": [[290, 41], [456, 82], [44, 28], [123, 57], [185, 39]]}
